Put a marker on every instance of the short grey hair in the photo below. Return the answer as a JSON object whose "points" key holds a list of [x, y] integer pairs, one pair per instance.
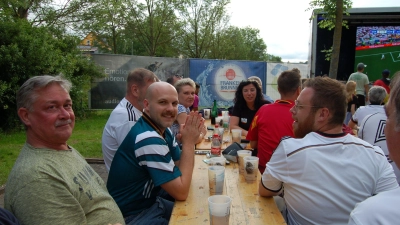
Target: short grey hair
{"points": [[183, 82], [27, 93], [376, 95]]}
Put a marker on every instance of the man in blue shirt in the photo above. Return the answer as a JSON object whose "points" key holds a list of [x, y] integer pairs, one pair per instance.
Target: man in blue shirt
{"points": [[150, 159]]}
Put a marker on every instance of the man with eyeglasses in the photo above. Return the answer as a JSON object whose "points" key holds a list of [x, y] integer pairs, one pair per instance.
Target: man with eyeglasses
{"points": [[324, 172], [127, 112]]}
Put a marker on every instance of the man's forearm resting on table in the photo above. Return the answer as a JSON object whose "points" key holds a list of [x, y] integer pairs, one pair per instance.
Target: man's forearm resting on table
{"points": [[264, 191]]}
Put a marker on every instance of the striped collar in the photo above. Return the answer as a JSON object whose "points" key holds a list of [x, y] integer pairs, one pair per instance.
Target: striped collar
{"points": [[290, 102], [331, 135], [153, 124]]}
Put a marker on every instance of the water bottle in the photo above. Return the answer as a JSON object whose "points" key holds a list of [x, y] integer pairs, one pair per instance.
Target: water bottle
{"points": [[215, 145]]}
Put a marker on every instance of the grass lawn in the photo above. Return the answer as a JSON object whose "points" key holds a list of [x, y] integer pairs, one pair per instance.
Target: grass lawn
{"points": [[86, 138]]}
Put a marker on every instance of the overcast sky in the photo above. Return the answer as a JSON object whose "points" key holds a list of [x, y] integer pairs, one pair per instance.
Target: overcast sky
{"points": [[284, 24]]}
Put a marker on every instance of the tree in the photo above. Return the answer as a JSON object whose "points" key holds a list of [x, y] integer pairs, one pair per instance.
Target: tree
{"points": [[27, 51], [333, 18], [154, 25], [239, 44], [203, 19], [45, 12], [107, 20]]}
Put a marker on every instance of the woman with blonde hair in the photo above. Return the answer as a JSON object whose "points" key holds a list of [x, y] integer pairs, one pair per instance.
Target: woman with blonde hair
{"points": [[186, 89], [351, 98]]}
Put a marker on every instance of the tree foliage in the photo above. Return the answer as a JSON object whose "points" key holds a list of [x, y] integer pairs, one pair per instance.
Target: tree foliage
{"points": [[41, 37], [240, 44], [203, 19], [154, 24], [333, 18], [27, 51]]}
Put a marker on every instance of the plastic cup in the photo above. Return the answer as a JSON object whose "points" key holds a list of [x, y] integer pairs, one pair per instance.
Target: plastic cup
{"points": [[218, 119], [241, 154], [221, 134], [206, 113], [236, 135], [216, 176], [217, 161], [219, 207], [250, 168], [224, 113]]}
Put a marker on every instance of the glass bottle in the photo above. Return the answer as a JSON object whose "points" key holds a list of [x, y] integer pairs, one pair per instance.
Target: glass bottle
{"points": [[214, 112]]}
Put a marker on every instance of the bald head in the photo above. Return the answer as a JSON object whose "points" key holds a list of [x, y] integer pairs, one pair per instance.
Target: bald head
{"points": [[159, 88], [161, 104]]}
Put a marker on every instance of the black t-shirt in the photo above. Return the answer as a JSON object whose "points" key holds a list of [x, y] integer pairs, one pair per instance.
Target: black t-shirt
{"points": [[245, 115], [353, 101]]}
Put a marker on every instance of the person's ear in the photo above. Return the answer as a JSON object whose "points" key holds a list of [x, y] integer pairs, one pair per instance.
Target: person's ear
{"points": [[134, 90], [23, 114], [323, 114], [146, 105]]}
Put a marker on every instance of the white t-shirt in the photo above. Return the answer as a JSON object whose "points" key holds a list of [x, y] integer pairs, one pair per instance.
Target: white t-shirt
{"points": [[324, 176], [363, 111], [380, 209], [121, 120], [372, 131]]}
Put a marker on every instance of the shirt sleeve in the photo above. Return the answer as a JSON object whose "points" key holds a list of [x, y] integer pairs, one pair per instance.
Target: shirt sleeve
{"points": [[252, 134], [354, 117], [387, 179], [49, 198], [275, 173], [366, 81], [181, 109], [47, 201], [236, 111], [122, 130]]}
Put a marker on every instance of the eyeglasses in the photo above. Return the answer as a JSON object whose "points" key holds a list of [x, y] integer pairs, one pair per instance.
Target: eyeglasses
{"points": [[299, 106], [178, 76]]}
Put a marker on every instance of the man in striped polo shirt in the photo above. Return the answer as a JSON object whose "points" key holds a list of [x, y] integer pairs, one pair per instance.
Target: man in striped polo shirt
{"points": [[150, 159]]}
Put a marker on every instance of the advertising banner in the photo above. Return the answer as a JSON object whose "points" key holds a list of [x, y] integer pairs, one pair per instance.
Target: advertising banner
{"points": [[273, 72], [107, 92], [219, 79]]}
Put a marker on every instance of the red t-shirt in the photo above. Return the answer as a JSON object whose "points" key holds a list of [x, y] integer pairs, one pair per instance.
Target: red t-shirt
{"points": [[270, 124], [382, 84]]}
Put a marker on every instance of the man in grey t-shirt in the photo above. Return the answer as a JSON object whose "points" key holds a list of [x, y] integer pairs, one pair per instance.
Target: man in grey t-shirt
{"points": [[362, 82], [51, 183]]}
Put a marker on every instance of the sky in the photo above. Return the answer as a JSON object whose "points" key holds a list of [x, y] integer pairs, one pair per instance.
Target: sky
{"points": [[284, 24]]}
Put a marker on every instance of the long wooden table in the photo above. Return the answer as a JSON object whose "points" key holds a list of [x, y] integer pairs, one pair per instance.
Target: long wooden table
{"points": [[247, 206]]}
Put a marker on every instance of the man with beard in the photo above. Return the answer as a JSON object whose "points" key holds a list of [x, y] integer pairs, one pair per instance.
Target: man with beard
{"points": [[324, 172], [150, 159], [51, 183], [127, 112]]}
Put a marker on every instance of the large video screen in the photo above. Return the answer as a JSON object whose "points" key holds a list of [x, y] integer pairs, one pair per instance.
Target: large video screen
{"points": [[379, 48]]}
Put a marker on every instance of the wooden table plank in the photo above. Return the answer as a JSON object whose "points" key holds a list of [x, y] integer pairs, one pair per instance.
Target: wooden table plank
{"points": [[247, 206]]}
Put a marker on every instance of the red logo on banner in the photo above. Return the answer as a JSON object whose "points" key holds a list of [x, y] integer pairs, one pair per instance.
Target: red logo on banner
{"points": [[230, 74]]}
